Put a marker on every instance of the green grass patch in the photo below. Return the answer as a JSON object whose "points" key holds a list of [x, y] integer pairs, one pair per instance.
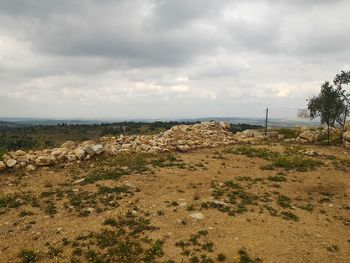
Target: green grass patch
{"points": [[111, 175], [28, 256], [289, 216], [245, 258], [284, 201], [297, 162], [124, 239], [277, 178], [263, 153]]}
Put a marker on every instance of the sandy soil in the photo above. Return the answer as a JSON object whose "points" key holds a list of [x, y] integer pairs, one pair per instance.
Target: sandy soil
{"points": [[168, 196]]}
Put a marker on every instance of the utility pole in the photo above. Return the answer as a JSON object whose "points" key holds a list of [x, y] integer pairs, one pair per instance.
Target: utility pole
{"points": [[267, 116]]}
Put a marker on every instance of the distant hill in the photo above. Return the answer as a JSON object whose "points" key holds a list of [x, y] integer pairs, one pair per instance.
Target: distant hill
{"points": [[274, 122]]}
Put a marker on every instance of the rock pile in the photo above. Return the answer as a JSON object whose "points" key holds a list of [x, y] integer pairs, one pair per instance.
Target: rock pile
{"points": [[346, 135], [178, 138], [318, 135], [248, 134], [309, 135]]}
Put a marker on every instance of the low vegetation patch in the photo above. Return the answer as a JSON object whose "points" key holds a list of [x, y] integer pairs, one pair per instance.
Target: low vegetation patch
{"points": [[291, 158], [199, 249], [263, 153], [297, 162], [234, 199], [15, 200], [28, 256], [123, 239], [289, 133]]}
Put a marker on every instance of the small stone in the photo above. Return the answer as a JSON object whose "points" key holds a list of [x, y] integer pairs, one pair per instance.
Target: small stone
{"points": [[198, 216], [90, 209], [79, 181]]}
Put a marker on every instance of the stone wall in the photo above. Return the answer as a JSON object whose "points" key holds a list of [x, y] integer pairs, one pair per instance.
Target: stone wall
{"points": [[178, 138]]}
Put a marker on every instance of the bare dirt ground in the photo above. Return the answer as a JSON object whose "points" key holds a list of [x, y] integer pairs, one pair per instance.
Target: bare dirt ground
{"points": [[213, 205]]}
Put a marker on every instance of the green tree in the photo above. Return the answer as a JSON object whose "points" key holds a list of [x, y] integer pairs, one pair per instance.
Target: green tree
{"points": [[329, 105], [339, 81]]}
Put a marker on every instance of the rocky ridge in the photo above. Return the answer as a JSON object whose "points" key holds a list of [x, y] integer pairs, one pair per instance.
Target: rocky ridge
{"points": [[179, 138]]}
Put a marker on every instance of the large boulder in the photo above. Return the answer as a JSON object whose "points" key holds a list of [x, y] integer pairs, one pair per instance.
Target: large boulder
{"points": [[11, 163], [2, 166], [79, 153], [225, 125], [88, 149], [87, 143], [19, 153], [68, 144], [183, 148], [346, 139], [22, 158], [60, 154], [111, 149], [346, 135], [347, 126], [310, 135], [45, 160], [97, 148]]}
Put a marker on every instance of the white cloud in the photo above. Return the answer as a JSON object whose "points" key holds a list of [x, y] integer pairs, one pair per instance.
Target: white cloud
{"points": [[167, 58]]}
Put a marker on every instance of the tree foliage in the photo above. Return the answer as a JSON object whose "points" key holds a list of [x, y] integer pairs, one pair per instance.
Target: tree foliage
{"points": [[332, 103]]}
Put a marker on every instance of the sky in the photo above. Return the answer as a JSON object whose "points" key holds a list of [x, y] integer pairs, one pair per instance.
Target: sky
{"points": [[166, 58]]}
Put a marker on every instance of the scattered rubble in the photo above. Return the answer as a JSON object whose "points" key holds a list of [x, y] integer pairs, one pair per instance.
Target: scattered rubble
{"points": [[318, 135]]}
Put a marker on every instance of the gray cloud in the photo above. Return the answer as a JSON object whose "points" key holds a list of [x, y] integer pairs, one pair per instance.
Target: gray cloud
{"points": [[173, 54]]}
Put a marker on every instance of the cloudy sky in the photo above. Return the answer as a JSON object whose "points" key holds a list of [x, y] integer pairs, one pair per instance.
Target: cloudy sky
{"points": [[167, 58]]}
